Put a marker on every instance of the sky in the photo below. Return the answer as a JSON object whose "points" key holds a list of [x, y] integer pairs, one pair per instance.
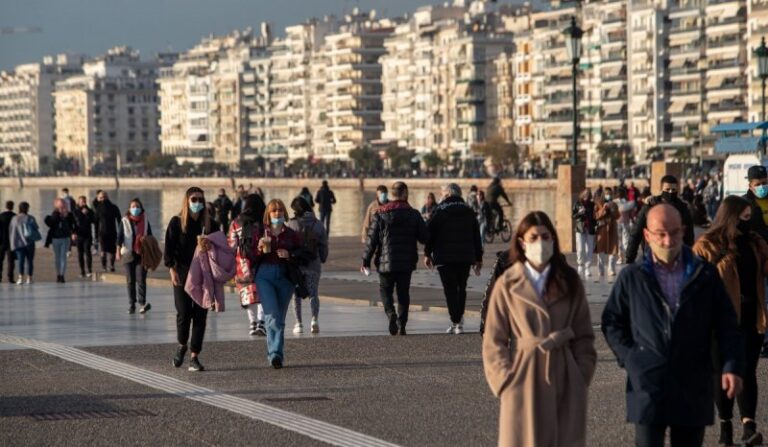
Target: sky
{"points": [[93, 26]]}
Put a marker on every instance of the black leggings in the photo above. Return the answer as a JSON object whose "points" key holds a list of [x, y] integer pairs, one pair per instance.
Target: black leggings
{"points": [[189, 314], [753, 343], [84, 256]]}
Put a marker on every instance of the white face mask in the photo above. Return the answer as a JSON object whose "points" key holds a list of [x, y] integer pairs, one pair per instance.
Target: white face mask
{"points": [[539, 253]]}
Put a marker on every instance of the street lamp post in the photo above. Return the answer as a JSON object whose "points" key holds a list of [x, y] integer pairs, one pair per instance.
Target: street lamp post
{"points": [[761, 53], [573, 44]]}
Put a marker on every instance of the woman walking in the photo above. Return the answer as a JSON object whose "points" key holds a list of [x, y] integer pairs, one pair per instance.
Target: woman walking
{"points": [[61, 231], [311, 257], [607, 243], [429, 206], [181, 238], [243, 238], [134, 227], [741, 258], [84, 236], [24, 232], [584, 217], [273, 254], [538, 347]]}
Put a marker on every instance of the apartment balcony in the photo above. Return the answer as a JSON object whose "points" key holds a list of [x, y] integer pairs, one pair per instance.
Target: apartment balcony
{"points": [[685, 49], [617, 117], [724, 42], [726, 106], [759, 6], [685, 71], [728, 86], [726, 63]]}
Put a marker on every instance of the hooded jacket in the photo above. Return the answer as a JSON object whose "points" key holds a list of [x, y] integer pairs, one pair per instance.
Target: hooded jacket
{"points": [[392, 238], [454, 234], [209, 271], [315, 227]]}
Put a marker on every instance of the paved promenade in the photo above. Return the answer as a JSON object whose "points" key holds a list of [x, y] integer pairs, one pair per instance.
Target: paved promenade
{"points": [[91, 374]]}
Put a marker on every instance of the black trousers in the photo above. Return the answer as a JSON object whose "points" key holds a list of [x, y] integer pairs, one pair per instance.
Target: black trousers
{"points": [[84, 256], [499, 215], [753, 343], [136, 277], [653, 436], [454, 278], [325, 218], [388, 283], [6, 254], [111, 256], [189, 314]]}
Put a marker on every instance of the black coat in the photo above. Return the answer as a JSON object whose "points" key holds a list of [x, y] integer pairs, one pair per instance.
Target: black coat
{"points": [[758, 223], [392, 238], [584, 216], [454, 234], [85, 221], [107, 222], [503, 262], [669, 359], [5, 224], [223, 206], [59, 226], [636, 235], [325, 200], [495, 191]]}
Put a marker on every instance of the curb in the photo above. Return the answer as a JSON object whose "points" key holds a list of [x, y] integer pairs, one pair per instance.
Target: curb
{"points": [[114, 278]]}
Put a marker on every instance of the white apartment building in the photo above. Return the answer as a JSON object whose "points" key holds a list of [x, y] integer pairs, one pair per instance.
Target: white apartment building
{"points": [[757, 29], [109, 114], [27, 117], [351, 88]]}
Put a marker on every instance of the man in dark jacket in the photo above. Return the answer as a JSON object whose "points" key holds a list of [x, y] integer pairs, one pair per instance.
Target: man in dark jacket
{"points": [[493, 194], [6, 254], [659, 321], [758, 196], [391, 243], [107, 222], [454, 246], [85, 219], [325, 200], [669, 188], [223, 206]]}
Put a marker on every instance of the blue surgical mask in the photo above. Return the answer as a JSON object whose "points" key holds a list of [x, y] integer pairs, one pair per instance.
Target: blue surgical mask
{"points": [[761, 191], [382, 197], [135, 212], [196, 207], [277, 220]]}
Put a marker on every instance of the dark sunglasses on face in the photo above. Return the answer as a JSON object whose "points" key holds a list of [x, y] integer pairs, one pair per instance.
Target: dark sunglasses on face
{"points": [[197, 200]]}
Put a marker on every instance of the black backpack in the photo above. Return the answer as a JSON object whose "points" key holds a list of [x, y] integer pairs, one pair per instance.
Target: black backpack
{"points": [[310, 244]]}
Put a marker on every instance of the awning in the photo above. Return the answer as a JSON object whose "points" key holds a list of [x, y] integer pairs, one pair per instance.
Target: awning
{"points": [[676, 107], [462, 89], [612, 72], [715, 81], [729, 12], [613, 108], [682, 62]]}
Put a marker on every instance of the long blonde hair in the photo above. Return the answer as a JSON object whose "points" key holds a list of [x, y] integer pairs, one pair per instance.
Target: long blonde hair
{"points": [[184, 213], [273, 205]]}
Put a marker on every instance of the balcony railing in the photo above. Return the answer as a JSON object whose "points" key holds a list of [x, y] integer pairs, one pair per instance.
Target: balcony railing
{"points": [[690, 48], [728, 21], [684, 71], [726, 107], [729, 86], [720, 43]]}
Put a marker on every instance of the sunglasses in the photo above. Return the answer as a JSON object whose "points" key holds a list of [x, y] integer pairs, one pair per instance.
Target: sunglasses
{"points": [[196, 200]]}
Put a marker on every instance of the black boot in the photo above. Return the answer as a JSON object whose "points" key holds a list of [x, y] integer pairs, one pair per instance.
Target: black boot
{"points": [[401, 329], [726, 434], [751, 436], [393, 325]]}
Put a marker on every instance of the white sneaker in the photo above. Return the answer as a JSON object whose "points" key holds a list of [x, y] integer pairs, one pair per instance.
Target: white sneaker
{"points": [[20, 281], [315, 326], [298, 328], [587, 273], [29, 279], [612, 273], [459, 329], [451, 329]]}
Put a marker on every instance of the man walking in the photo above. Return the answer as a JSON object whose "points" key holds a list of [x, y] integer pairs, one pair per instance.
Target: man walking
{"points": [[6, 254], [325, 199], [669, 188], [391, 243], [382, 198], [107, 222], [454, 246], [757, 195], [222, 207], [661, 320]]}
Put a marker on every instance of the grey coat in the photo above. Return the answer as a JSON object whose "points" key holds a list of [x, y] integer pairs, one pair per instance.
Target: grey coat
{"points": [[309, 219], [16, 233]]}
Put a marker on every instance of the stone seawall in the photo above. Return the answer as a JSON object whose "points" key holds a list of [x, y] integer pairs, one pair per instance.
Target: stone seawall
{"points": [[313, 183]]}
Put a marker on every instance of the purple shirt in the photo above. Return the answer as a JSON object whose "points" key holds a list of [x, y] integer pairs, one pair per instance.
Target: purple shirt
{"points": [[670, 278]]}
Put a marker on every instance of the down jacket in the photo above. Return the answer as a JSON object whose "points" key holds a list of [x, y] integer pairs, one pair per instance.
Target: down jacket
{"points": [[454, 234], [392, 238], [209, 271]]}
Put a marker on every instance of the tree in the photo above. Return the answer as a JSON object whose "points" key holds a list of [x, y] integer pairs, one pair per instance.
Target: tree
{"points": [[400, 157], [432, 160], [655, 153], [506, 153], [364, 158], [159, 161]]}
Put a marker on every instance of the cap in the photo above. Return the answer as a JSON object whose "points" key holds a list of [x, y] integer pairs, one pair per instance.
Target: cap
{"points": [[757, 172]]}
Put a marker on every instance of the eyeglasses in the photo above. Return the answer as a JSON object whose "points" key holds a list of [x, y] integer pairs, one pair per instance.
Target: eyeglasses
{"points": [[196, 200]]}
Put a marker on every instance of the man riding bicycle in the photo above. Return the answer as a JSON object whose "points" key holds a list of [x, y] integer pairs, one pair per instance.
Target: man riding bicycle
{"points": [[494, 192]]}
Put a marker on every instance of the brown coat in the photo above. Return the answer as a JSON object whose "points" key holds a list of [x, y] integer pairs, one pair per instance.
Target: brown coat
{"points": [[607, 238], [710, 250], [369, 213], [539, 358]]}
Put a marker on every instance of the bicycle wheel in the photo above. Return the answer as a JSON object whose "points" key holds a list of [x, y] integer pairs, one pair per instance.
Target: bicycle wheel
{"points": [[488, 236], [506, 231]]}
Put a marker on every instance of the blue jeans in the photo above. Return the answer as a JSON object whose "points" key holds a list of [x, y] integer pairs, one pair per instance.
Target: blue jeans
{"points": [[275, 291], [25, 255], [60, 249]]}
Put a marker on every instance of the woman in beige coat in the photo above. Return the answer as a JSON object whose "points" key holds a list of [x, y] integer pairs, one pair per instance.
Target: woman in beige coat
{"points": [[538, 347], [607, 238]]}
